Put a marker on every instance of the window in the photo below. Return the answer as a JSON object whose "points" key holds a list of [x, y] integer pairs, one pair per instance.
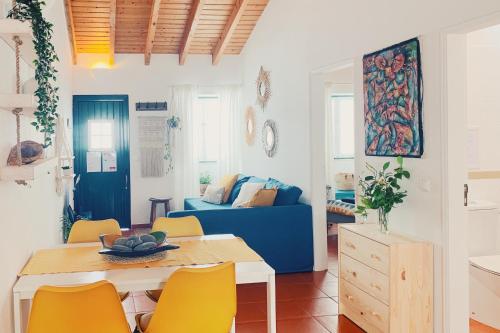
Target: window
{"points": [[343, 126], [208, 115], [100, 135]]}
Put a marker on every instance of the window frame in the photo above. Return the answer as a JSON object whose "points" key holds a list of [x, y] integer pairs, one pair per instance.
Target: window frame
{"points": [[335, 132], [112, 135], [203, 150]]}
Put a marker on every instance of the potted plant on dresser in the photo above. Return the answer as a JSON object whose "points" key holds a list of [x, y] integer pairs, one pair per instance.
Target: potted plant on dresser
{"points": [[381, 191]]}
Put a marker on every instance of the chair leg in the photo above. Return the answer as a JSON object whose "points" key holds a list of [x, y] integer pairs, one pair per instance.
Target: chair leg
{"points": [[167, 208], [233, 326], [152, 216]]}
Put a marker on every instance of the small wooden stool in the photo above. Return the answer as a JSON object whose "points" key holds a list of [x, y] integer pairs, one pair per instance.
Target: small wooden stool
{"points": [[154, 203]]}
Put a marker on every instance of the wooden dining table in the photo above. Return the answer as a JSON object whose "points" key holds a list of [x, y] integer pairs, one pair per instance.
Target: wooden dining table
{"points": [[138, 279]]}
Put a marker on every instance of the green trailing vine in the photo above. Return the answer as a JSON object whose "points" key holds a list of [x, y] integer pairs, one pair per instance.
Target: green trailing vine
{"points": [[45, 71]]}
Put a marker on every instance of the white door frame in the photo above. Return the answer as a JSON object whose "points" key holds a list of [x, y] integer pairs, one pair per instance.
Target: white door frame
{"points": [[317, 94], [454, 171]]}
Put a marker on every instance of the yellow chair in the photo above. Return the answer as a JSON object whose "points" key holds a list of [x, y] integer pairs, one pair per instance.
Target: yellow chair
{"points": [[75, 310], [179, 226], [89, 231], [175, 227], [194, 300]]}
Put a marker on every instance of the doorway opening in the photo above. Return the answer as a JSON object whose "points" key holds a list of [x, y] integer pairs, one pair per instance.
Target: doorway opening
{"points": [[333, 103], [472, 124], [339, 143], [102, 158]]}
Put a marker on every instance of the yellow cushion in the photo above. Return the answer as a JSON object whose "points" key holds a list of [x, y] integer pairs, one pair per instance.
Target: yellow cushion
{"points": [[228, 182], [263, 198]]}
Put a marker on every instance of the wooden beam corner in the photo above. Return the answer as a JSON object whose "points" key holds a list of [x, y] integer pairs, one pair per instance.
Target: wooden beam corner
{"points": [[230, 27], [153, 21], [189, 30], [112, 30], [71, 30]]}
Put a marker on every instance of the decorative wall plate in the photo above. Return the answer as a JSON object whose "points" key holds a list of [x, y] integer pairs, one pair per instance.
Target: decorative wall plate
{"points": [[270, 138], [263, 87], [250, 125]]}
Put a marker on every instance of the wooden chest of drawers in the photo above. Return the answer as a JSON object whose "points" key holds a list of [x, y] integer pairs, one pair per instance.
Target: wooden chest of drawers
{"points": [[385, 280]]}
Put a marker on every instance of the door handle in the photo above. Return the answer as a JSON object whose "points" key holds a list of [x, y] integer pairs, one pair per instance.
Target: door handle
{"points": [[126, 181], [466, 195]]}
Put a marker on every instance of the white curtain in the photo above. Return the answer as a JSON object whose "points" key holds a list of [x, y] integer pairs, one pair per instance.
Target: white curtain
{"points": [[186, 167], [231, 134], [188, 141]]}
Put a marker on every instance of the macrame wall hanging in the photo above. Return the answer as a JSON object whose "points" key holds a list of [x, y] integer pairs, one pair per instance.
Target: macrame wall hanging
{"points": [[152, 137]]}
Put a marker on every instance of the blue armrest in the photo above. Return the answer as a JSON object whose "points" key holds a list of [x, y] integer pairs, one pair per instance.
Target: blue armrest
{"points": [[282, 235]]}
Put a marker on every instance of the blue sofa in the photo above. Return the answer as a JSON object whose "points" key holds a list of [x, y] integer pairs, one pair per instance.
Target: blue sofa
{"points": [[282, 235]]}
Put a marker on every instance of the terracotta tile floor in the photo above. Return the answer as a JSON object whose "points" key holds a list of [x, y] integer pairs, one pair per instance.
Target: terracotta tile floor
{"points": [[305, 303], [477, 327]]}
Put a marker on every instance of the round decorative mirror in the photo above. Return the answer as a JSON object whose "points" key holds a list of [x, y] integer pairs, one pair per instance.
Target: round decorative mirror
{"points": [[270, 138], [263, 87], [250, 125]]}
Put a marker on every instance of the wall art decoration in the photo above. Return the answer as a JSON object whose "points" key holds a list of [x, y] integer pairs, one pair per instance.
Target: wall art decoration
{"points": [[270, 138], [393, 101], [263, 87], [250, 126]]}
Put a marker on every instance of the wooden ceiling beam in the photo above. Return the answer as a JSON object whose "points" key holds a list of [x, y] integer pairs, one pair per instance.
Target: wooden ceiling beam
{"points": [[190, 29], [71, 30], [153, 20], [112, 30], [227, 33]]}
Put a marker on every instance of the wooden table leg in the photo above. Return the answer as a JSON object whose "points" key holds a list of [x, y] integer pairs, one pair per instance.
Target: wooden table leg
{"points": [[271, 304]]}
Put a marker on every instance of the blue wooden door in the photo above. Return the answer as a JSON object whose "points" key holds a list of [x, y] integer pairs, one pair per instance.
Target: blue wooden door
{"points": [[102, 157]]}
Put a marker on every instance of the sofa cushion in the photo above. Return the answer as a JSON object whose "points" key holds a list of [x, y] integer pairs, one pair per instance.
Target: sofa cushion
{"points": [[214, 194], [247, 192], [228, 182], [242, 179], [263, 198], [257, 180], [287, 194], [198, 204]]}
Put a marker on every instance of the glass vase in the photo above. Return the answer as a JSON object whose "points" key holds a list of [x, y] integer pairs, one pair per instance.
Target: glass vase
{"points": [[383, 221]]}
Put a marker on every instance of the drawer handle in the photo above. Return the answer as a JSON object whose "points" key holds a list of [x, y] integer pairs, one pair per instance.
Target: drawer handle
{"points": [[376, 286], [351, 245], [376, 257], [373, 313], [354, 274], [349, 297]]}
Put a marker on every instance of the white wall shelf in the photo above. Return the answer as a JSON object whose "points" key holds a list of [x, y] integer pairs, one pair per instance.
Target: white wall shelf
{"points": [[29, 172], [10, 28], [9, 102]]}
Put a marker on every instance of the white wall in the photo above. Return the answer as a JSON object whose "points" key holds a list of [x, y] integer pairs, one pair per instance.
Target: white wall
{"points": [[29, 215], [483, 110], [143, 83], [295, 37]]}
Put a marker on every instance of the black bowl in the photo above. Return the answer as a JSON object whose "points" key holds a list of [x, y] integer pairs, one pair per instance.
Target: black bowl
{"points": [[137, 254]]}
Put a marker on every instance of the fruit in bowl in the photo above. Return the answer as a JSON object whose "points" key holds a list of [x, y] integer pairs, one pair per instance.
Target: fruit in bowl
{"points": [[136, 243]]}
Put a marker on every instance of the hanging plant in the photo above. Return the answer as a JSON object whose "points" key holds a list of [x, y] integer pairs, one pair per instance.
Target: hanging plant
{"points": [[45, 71], [173, 123]]}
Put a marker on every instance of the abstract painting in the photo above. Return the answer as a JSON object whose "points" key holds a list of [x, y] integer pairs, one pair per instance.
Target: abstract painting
{"points": [[393, 101]]}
